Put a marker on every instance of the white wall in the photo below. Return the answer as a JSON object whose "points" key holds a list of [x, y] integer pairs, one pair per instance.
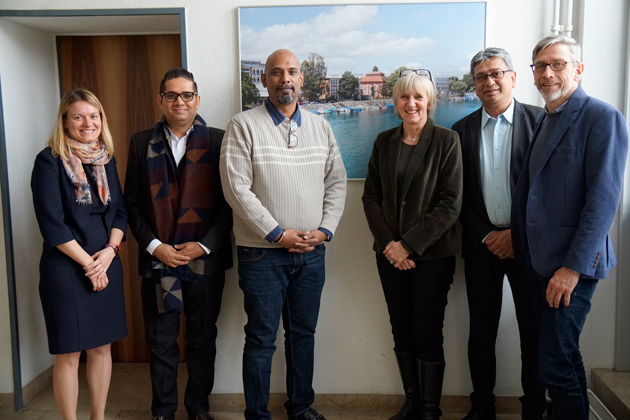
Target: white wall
{"points": [[30, 98], [353, 343]]}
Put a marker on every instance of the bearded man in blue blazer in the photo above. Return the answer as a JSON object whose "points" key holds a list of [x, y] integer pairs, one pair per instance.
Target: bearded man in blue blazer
{"points": [[562, 209]]}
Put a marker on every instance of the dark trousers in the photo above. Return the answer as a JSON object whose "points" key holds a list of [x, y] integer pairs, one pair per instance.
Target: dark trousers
{"points": [[561, 367], [202, 303], [484, 288], [277, 282], [416, 301]]}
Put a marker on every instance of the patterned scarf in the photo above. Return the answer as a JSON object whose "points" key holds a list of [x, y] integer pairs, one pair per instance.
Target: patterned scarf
{"points": [[95, 154], [182, 204]]}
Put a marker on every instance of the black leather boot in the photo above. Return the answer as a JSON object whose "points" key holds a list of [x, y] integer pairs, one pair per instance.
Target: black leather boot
{"points": [[408, 366], [431, 378]]}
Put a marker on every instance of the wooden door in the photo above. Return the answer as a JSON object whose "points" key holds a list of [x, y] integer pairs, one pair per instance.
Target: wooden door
{"points": [[124, 72]]}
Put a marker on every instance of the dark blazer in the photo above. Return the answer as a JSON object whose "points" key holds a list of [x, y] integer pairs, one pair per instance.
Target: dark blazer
{"points": [[562, 214], [59, 216], [474, 216], [137, 194], [431, 196]]}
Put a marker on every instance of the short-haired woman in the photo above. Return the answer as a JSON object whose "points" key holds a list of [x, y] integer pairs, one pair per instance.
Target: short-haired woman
{"points": [[412, 199]]}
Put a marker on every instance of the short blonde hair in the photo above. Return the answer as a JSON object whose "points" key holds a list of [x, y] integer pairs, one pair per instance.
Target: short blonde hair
{"points": [[58, 140], [412, 83]]}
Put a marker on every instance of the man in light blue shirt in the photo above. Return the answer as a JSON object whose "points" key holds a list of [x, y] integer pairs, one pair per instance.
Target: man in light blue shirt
{"points": [[494, 141]]}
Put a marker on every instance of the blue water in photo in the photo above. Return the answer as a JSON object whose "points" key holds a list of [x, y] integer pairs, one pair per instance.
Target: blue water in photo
{"points": [[356, 131]]}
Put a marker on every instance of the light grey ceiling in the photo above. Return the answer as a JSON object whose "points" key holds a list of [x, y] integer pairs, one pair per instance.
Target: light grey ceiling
{"points": [[101, 25]]}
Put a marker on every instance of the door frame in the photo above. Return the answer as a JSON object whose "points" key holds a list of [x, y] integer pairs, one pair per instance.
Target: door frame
{"points": [[18, 396], [622, 341]]}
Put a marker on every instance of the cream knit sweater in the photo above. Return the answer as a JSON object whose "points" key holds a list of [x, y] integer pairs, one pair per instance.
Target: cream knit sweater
{"points": [[267, 184]]}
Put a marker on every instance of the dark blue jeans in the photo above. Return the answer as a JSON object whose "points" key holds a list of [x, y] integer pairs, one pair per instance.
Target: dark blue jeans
{"points": [[560, 362], [274, 282]]}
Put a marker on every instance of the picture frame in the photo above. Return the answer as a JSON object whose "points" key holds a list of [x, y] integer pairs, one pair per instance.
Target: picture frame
{"points": [[370, 43]]}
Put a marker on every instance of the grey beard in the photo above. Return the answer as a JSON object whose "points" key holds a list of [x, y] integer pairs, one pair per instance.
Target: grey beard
{"points": [[285, 100]]}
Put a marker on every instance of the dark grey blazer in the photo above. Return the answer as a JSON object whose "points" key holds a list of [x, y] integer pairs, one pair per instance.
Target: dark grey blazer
{"points": [[474, 216], [431, 196], [138, 197]]}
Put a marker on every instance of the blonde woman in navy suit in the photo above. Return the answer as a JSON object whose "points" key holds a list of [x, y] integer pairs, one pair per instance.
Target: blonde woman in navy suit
{"points": [[81, 214]]}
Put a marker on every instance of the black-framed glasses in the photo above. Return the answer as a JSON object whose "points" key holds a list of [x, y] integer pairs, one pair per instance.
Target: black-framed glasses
{"points": [[172, 96], [541, 67], [495, 75], [293, 139], [419, 72]]}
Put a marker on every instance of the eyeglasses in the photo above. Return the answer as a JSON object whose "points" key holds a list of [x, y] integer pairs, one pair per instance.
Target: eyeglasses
{"points": [[293, 140], [419, 72], [172, 96], [495, 75], [541, 67]]}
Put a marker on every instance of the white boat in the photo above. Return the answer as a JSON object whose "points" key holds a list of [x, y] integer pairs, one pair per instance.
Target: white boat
{"points": [[321, 111]]}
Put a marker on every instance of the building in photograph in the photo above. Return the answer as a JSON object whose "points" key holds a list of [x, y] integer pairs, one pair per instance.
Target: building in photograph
{"points": [[333, 87], [254, 69], [441, 84], [373, 83]]}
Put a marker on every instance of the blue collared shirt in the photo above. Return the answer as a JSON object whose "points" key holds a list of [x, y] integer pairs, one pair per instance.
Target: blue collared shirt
{"points": [[494, 156], [277, 118]]}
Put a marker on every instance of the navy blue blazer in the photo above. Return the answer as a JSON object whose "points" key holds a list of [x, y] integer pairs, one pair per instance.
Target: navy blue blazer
{"points": [[474, 216], [59, 216], [562, 215]]}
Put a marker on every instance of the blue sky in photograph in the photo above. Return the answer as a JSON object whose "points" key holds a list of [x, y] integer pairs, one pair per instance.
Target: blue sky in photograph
{"points": [[440, 37]]}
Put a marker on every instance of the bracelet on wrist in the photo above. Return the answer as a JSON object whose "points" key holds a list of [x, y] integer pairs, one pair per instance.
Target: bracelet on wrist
{"points": [[284, 232], [114, 246]]}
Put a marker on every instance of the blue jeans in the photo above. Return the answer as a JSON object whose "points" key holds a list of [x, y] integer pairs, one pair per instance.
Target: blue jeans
{"points": [[560, 363], [275, 281]]}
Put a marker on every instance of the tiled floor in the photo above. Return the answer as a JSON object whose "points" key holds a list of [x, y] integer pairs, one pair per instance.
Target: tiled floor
{"points": [[130, 396]]}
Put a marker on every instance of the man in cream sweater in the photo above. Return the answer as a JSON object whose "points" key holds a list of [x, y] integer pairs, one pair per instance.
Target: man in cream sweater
{"points": [[283, 176]]}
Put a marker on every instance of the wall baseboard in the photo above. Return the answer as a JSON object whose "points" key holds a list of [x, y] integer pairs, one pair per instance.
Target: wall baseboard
{"points": [[362, 402], [37, 385], [31, 390], [6, 400]]}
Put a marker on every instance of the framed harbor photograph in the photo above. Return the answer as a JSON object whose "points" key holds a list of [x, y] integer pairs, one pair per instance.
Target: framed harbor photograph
{"points": [[351, 56]]}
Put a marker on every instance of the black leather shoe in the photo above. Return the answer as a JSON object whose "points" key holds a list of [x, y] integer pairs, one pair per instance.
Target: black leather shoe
{"points": [[481, 414], [309, 414], [200, 416]]}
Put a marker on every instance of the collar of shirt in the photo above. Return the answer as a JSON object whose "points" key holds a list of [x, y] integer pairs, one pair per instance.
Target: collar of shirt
{"points": [[508, 114], [278, 116], [178, 146], [559, 109]]}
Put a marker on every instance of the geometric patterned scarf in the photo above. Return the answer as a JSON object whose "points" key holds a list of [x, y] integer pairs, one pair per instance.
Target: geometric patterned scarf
{"points": [[182, 204], [95, 154]]}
